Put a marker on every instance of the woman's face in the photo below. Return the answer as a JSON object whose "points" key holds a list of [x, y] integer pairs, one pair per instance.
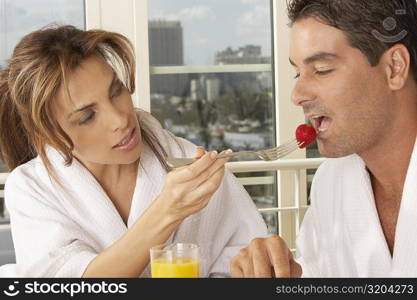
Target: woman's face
{"points": [[99, 116]]}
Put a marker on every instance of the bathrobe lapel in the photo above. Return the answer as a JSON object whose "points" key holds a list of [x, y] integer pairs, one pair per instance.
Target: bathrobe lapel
{"points": [[149, 183], [365, 236], [405, 247], [99, 216]]}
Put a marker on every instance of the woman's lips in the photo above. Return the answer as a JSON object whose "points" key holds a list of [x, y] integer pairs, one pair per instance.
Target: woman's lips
{"points": [[129, 143]]}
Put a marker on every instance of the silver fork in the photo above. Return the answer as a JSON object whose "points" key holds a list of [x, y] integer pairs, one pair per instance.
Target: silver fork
{"points": [[266, 155]]}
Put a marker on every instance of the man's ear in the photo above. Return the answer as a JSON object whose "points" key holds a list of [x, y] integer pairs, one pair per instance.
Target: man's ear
{"points": [[397, 66]]}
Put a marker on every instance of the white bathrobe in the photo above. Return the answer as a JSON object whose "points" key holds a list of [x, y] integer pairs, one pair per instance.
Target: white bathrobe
{"points": [[57, 231], [341, 235]]}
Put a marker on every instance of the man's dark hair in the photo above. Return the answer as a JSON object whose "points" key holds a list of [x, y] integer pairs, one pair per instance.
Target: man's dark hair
{"points": [[372, 26]]}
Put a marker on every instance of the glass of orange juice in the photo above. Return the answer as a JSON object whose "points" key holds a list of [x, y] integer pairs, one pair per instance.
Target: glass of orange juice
{"points": [[175, 261]]}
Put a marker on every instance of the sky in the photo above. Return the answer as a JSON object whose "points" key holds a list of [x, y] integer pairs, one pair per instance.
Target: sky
{"points": [[213, 25], [208, 25], [19, 17]]}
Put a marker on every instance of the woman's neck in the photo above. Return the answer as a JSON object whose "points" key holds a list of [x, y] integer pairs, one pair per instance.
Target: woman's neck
{"points": [[111, 175]]}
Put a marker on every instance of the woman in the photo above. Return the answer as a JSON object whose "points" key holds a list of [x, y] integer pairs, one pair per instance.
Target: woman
{"points": [[90, 193]]}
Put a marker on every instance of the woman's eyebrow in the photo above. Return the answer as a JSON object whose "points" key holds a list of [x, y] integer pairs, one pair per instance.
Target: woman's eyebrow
{"points": [[112, 83], [82, 108]]}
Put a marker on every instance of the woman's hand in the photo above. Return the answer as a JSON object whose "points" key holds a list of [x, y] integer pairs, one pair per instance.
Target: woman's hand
{"points": [[188, 189]]}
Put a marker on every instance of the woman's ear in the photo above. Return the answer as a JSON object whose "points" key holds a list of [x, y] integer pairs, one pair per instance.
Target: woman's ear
{"points": [[397, 62]]}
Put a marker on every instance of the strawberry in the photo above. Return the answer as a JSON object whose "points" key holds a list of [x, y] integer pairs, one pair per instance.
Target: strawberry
{"points": [[305, 134]]}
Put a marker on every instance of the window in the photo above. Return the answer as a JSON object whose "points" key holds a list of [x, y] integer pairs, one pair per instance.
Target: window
{"points": [[211, 79], [19, 17]]}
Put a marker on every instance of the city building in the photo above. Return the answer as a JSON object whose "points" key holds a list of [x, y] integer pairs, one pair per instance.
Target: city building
{"points": [[249, 54], [166, 49]]}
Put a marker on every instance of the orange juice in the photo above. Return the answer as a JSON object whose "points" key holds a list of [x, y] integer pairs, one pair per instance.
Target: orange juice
{"points": [[181, 267]]}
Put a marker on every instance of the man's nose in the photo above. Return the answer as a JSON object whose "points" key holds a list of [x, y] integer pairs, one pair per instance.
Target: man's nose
{"points": [[302, 92]]}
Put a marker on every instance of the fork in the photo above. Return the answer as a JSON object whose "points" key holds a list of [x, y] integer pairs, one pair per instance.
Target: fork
{"points": [[266, 155]]}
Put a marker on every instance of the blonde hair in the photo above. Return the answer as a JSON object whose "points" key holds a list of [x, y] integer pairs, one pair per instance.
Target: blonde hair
{"points": [[39, 66]]}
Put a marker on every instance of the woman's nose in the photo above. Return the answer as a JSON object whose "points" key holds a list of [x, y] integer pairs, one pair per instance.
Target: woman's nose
{"points": [[117, 119]]}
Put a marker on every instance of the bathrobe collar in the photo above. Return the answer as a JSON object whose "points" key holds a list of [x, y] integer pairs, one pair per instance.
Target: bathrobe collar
{"points": [[365, 227], [101, 216]]}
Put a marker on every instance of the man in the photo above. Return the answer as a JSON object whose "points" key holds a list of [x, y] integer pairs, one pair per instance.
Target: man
{"points": [[356, 64]]}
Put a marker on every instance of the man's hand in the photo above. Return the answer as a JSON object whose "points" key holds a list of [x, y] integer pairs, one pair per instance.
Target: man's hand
{"points": [[265, 257]]}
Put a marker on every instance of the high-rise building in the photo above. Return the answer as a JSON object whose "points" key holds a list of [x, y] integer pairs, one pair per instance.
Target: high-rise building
{"points": [[165, 43], [166, 49]]}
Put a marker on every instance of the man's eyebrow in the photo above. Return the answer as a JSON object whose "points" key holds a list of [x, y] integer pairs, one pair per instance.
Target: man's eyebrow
{"points": [[113, 81], [317, 57]]}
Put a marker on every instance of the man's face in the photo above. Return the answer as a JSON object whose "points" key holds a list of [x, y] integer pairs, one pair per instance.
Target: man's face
{"points": [[346, 99]]}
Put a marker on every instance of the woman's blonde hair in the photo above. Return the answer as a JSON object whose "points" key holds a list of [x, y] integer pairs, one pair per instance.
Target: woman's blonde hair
{"points": [[38, 68]]}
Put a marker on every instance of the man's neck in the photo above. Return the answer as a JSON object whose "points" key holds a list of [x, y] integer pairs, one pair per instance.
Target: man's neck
{"points": [[388, 165], [388, 160]]}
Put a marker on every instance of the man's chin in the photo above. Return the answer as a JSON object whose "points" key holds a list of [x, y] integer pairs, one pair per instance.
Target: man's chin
{"points": [[329, 151], [331, 155]]}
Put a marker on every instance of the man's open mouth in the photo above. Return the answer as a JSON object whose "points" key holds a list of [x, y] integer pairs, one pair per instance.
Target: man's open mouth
{"points": [[321, 123]]}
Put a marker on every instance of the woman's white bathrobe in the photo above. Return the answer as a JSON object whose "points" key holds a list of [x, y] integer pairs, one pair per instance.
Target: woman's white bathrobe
{"points": [[57, 231], [341, 235]]}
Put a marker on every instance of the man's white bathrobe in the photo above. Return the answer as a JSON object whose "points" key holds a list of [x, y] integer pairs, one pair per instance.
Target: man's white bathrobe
{"points": [[57, 231], [341, 235]]}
